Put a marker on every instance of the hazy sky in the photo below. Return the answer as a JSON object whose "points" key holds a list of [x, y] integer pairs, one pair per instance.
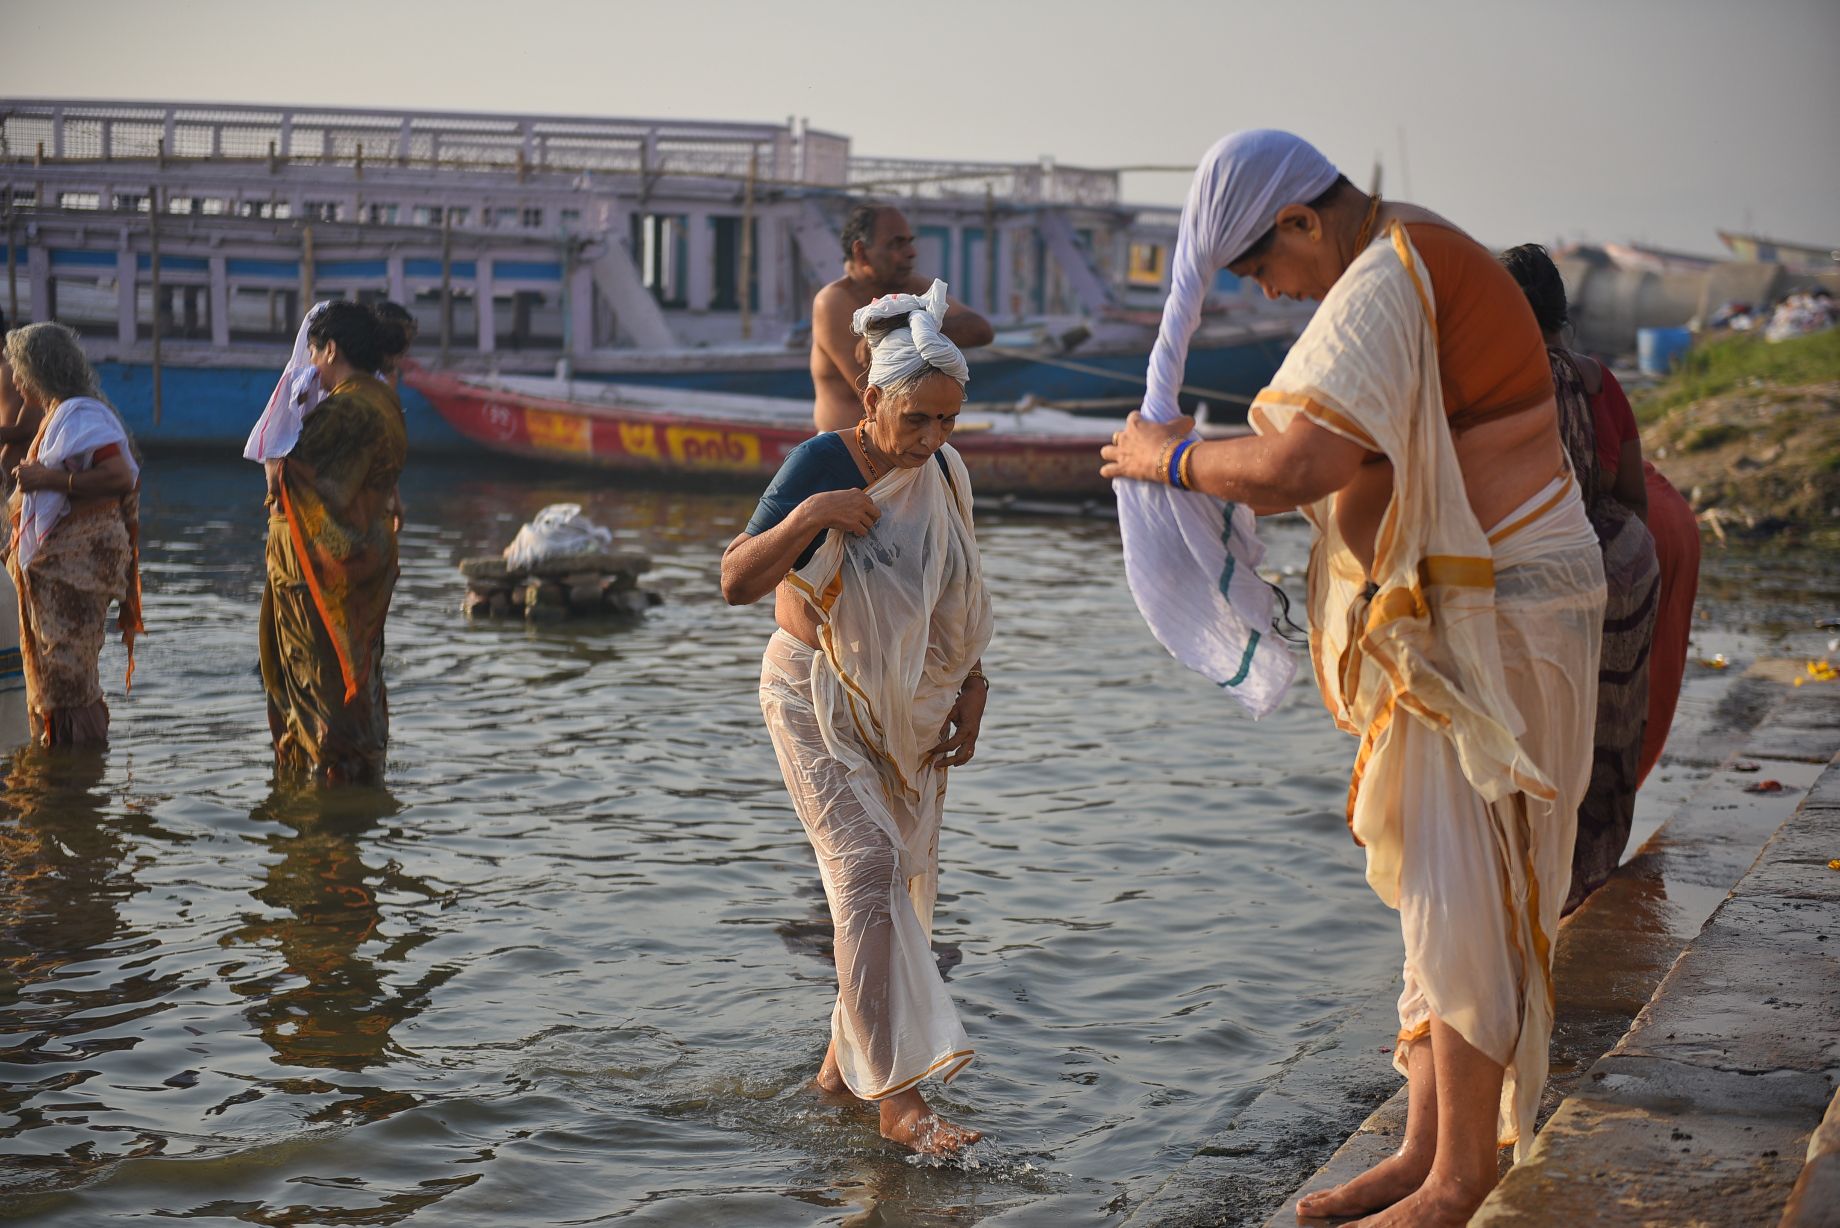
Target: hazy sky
{"points": [[1652, 120]]}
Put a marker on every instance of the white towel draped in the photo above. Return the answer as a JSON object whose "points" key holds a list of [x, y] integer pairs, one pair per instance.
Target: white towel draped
{"points": [[78, 427], [296, 395], [1192, 561]]}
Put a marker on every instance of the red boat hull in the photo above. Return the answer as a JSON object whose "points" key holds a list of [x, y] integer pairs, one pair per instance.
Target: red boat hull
{"points": [[703, 446]]}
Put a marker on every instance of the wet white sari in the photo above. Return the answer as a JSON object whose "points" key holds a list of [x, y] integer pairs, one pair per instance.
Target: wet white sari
{"points": [[1467, 669], [902, 615]]}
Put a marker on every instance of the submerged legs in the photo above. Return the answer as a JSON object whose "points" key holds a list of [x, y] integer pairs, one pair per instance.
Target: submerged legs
{"points": [[893, 1023]]}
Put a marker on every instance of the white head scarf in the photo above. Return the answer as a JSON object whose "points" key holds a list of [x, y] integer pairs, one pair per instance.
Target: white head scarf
{"points": [[1238, 189], [1192, 560], [900, 356], [296, 395]]}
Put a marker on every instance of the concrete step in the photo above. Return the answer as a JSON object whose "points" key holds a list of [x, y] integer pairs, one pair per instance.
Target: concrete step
{"points": [[1702, 1114], [1615, 951]]}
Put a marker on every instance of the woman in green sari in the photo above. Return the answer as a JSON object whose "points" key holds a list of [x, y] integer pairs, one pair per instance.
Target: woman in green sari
{"points": [[332, 562]]}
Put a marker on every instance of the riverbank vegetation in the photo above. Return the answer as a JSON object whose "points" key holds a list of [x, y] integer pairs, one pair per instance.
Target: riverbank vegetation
{"points": [[1749, 431]]}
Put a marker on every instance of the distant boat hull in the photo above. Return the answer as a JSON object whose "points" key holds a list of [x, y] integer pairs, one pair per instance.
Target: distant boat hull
{"points": [[690, 435], [211, 399]]}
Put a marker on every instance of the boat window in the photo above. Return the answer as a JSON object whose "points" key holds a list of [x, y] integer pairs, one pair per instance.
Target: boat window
{"points": [[79, 200], [725, 291], [430, 215], [1146, 264], [660, 242]]}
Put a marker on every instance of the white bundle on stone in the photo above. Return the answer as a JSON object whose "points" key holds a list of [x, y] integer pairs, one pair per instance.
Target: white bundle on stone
{"points": [[558, 530]]}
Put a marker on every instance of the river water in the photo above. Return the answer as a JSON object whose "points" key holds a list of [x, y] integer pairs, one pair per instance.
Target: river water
{"points": [[571, 965]]}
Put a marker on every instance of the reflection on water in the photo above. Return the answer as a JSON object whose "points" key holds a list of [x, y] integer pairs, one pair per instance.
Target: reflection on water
{"points": [[573, 963]]}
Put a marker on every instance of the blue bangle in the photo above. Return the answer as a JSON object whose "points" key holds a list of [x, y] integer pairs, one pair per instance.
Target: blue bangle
{"points": [[1175, 463]]}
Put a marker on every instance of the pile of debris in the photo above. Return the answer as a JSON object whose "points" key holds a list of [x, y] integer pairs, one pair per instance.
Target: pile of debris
{"points": [[560, 565]]}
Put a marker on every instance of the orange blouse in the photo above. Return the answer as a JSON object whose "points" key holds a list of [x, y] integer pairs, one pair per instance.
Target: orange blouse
{"points": [[1491, 357]]}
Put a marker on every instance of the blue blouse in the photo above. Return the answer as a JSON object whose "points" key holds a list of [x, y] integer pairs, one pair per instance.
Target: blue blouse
{"points": [[821, 463]]}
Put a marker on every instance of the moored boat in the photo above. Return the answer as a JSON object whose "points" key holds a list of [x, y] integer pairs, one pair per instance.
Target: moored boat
{"points": [[667, 433], [185, 240]]}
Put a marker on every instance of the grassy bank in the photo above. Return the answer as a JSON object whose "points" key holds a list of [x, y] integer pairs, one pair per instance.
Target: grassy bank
{"points": [[1750, 431], [1743, 361]]}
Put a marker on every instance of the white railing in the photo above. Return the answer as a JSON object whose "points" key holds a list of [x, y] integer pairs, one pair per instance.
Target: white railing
{"points": [[1033, 183], [61, 130]]}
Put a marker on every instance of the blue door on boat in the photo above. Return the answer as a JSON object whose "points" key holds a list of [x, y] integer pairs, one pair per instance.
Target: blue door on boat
{"points": [[933, 252], [973, 287]]}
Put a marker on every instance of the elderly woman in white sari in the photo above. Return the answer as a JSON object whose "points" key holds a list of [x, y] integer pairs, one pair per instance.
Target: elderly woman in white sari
{"points": [[1455, 598], [872, 689]]}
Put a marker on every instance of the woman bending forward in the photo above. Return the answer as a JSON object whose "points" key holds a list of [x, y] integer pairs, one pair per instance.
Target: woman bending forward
{"points": [[871, 689]]}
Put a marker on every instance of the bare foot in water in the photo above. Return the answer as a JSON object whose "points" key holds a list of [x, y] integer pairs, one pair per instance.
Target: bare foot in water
{"points": [[907, 1120], [1440, 1202], [1379, 1187], [830, 1082]]}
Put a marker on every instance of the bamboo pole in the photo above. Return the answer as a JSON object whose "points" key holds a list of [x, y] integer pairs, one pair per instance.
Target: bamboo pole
{"points": [[12, 266], [990, 250], [447, 283], [153, 244], [306, 267], [747, 247]]}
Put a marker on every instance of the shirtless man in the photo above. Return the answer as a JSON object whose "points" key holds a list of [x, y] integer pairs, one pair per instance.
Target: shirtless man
{"points": [[878, 250]]}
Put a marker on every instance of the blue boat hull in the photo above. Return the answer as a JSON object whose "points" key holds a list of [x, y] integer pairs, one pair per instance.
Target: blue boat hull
{"points": [[214, 407]]}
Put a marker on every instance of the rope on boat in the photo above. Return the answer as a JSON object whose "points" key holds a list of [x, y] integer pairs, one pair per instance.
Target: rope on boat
{"points": [[1123, 377]]}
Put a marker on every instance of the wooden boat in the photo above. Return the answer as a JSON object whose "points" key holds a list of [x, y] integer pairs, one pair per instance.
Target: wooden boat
{"points": [[186, 240], [670, 433]]}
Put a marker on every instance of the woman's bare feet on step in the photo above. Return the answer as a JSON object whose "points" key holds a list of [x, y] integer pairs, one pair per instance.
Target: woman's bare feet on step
{"points": [[1440, 1202], [1379, 1187], [907, 1120]]}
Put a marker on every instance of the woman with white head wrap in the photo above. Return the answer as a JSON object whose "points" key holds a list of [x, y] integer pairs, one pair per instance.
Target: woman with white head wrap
{"points": [[872, 688], [297, 393], [1415, 410]]}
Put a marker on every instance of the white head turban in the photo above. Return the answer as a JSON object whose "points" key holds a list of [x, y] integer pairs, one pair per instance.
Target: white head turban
{"points": [[900, 356], [1238, 189], [1192, 561]]}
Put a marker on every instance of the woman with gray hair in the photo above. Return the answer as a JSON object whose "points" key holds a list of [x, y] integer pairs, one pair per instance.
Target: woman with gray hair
{"points": [[872, 689], [76, 538]]}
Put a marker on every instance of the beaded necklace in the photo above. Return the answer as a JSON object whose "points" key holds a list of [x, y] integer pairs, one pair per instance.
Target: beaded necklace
{"points": [[862, 445]]}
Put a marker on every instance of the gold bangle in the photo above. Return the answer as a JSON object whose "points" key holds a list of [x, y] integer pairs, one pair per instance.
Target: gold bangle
{"points": [[1162, 463], [70, 482], [975, 672], [1185, 469]]}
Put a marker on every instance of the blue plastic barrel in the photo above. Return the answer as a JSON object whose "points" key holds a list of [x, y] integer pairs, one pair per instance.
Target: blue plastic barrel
{"points": [[1659, 350]]}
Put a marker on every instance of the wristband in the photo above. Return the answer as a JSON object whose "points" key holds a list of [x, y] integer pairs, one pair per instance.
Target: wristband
{"points": [[1174, 465]]}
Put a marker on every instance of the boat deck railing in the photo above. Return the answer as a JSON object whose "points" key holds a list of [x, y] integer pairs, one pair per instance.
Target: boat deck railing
{"points": [[82, 131], [45, 133], [1032, 183]]}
